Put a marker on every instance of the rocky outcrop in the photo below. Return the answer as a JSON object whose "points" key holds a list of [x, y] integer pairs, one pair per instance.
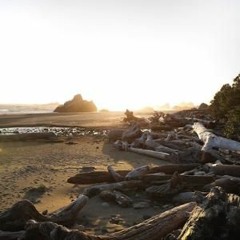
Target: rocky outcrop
{"points": [[77, 104]]}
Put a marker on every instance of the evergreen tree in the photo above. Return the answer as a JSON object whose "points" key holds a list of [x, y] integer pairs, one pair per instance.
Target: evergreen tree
{"points": [[226, 106]]}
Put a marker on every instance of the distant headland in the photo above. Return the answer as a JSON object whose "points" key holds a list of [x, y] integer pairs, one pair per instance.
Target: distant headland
{"points": [[77, 104]]}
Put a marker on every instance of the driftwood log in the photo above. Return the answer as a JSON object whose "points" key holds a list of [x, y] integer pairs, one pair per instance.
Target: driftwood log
{"points": [[124, 185], [185, 197], [124, 145], [107, 176], [151, 153], [188, 180], [138, 172], [115, 196], [228, 183], [117, 177], [95, 177], [223, 169], [153, 229], [160, 187], [210, 140], [15, 218], [216, 218], [132, 133], [171, 168], [154, 145], [171, 187]]}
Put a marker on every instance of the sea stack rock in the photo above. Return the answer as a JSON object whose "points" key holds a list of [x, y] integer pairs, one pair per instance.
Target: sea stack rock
{"points": [[77, 104]]}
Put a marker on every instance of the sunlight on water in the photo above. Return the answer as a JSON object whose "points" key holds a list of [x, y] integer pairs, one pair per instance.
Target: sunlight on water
{"points": [[58, 131]]}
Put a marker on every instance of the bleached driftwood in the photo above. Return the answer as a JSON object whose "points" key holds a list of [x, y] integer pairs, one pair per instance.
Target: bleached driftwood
{"points": [[211, 140], [123, 145], [150, 153], [152, 229], [152, 144]]}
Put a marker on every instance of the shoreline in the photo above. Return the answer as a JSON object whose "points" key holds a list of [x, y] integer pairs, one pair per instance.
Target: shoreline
{"points": [[29, 165]]}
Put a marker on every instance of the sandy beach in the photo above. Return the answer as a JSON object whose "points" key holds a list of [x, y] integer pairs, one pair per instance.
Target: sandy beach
{"points": [[38, 170]]}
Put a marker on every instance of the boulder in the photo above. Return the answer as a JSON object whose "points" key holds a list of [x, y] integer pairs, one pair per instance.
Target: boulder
{"points": [[77, 104]]}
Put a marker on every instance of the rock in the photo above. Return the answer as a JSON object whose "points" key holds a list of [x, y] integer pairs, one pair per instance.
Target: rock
{"points": [[77, 104]]}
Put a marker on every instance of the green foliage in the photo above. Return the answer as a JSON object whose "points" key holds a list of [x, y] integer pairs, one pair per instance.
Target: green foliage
{"points": [[221, 102], [232, 127], [226, 106]]}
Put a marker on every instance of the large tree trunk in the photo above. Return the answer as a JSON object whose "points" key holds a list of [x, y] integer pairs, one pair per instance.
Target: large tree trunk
{"points": [[152, 229], [211, 140]]}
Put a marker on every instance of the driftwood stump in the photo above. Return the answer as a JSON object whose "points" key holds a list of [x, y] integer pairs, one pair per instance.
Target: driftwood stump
{"points": [[216, 218], [15, 218]]}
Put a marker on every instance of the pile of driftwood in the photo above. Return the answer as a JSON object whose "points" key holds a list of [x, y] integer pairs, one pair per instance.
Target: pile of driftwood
{"points": [[201, 180], [178, 139]]}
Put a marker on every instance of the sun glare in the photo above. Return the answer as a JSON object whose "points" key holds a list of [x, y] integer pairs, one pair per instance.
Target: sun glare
{"points": [[118, 57]]}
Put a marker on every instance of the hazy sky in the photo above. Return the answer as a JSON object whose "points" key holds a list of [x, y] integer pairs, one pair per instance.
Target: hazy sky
{"points": [[118, 53]]}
